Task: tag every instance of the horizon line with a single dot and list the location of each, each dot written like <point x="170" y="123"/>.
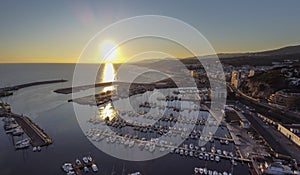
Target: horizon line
<point x="220" y="53"/>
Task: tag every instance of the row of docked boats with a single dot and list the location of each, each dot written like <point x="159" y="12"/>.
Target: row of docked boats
<point x="202" y="154"/>
<point x="210" y="172"/>
<point x="13" y="128"/>
<point x="187" y="150"/>
<point x="159" y="129"/>
<point x="85" y="165"/>
<point x="25" y="143"/>
<point x="167" y="119"/>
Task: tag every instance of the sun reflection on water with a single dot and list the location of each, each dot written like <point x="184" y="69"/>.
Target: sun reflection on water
<point x="107" y="112"/>
<point x="108" y="75"/>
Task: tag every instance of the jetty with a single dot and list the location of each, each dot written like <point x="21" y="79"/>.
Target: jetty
<point x="8" y="91"/>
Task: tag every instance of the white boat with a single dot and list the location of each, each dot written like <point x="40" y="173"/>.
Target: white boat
<point x="71" y="173"/>
<point x="112" y="139"/>
<point x="181" y="152"/>
<point x="136" y="173"/>
<point x="24" y="140"/>
<point x="126" y="143"/>
<point x="186" y="153"/>
<point x="67" y="167"/>
<point x="183" y="135"/>
<point x="141" y="145"/>
<point x="152" y="148"/>
<point x="225" y="153"/>
<point x="86" y="169"/>
<point x="99" y="138"/>
<point x="233" y="162"/>
<point x="201" y="171"/>
<point x="226" y="142"/>
<point x="147" y="146"/>
<point x="196" y="170"/>
<point x="34" y="149"/>
<point x="17" y="132"/>
<point x="11" y="126"/>
<point x="22" y="145"/>
<point x="78" y="162"/>
<point x="162" y="149"/>
<point x="212" y="157"/>
<point x="90" y="159"/>
<point x="213" y="149"/>
<point x="94" y="167"/>
<point x="191" y="146"/>
<point x="200" y="156"/>
<point x="85" y="160"/>
<point x="217" y="158"/>
<point x="107" y="140"/>
<point x="191" y="154"/>
<point x="205" y="170"/>
<point x="131" y="143"/>
<point x="203" y="149"/>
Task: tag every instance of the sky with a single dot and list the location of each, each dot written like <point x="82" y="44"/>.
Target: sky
<point x="58" y="30"/>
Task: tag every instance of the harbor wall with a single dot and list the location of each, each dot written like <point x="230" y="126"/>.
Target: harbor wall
<point x="289" y="134"/>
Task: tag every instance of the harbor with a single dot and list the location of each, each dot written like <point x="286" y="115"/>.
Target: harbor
<point x="70" y="143"/>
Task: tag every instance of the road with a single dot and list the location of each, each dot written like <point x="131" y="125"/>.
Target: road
<point x="264" y="108"/>
<point x="278" y="142"/>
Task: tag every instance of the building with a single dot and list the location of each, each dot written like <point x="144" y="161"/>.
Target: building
<point x="285" y="99"/>
<point x="235" y="78"/>
<point x="251" y="73"/>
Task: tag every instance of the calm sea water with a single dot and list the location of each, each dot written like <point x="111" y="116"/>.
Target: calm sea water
<point x="56" y="116"/>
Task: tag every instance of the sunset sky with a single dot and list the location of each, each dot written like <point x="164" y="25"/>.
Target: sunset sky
<point x="57" y="31"/>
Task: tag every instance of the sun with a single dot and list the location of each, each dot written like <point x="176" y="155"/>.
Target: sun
<point x="109" y="52"/>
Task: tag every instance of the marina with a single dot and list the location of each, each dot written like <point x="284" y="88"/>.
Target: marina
<point x="136" y="135"/>
<point x="131" y="134"/>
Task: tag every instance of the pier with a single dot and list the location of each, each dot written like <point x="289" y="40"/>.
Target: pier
<point x="34" y="132"/>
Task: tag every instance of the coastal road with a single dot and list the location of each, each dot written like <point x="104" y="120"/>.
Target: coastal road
<point x="278" y="142"/>
<point x="263" y="108"/>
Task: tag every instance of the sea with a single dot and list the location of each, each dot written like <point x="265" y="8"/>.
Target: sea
<point x="55" y="115"/>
